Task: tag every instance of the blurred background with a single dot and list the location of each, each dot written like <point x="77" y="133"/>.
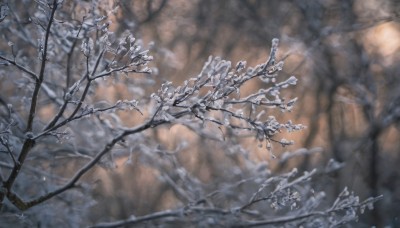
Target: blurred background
<point x="345" y="54"/>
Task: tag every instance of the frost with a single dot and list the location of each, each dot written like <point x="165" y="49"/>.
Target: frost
<point x="291" y="103"/>
<point x="240" y="66"/>
<point x="292" y="80"/>
<point x="285" y="142"/>
<point x="29" y="135"/>
<point x="87" y="46"/>
<point x="275" y="92"/>
<point x="216" y="108"/>
<point x="4" y="11"/>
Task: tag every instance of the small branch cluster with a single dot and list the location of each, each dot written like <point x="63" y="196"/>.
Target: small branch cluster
<point x="281" y="200"/>
<point x="214" y="96"/>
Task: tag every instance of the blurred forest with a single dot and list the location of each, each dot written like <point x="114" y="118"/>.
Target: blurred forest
<point x="345" y="54"/>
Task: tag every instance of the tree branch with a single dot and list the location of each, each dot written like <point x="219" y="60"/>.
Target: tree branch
<point x="29" y="142"/>
<point x="20" y="67"/>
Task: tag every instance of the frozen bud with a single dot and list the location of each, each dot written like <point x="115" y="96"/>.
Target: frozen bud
<point x="275" y="42"/>
<point x="29" y="135"/>
<point x="132" y="39"/>
<point x="67" y="96"/>
<point x="240" y="65"/>
<point x="292" y="80"/>
<point x="292" y="102"/>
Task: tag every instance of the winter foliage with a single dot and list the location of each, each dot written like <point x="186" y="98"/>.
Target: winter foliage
<point x="57" y="128"/>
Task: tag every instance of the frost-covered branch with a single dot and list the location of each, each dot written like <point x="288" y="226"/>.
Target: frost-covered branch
<point x="214" y="96"/>
<point x="304" y="213"/>
<point x="60" y="129"/>
<point x="29" y="143"/>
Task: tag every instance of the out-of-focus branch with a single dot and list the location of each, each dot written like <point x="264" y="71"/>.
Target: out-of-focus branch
<point x="20" y="67"/>
<point x="69" y="58"/>
<point x="137" y="220"/>
<point x="191" y="213"/>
